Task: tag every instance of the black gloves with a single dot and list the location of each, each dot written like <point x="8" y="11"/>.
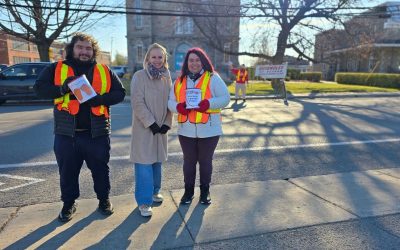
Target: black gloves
<point x="96" y="101"/>
<point x="154" y="128"/>
<point x="64" y="89"/>
<point x="164" y="129"/>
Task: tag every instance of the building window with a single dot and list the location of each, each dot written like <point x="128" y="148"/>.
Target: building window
<point x="139" y="53"/>
<point x="138" y="18"/>
<point x="372" y="63"/>
<point x="34" y="48"/>
<point x="227" y="57"/>
<point x="20" y="45"/>
<point x="352" y="65"/>
<point x="184" y="25"/>
<point x="20" y="59"/>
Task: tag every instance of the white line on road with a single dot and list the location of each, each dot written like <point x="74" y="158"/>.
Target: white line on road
<point x="17" y="177"/>
<point x="312" y="145"/>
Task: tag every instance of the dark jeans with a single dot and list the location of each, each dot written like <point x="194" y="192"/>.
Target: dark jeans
<point x="199" y="150"/>
<point x="71" y="152"/>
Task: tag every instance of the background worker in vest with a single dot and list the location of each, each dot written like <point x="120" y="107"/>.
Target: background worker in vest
<point x="81" y="130"/>
<point x="199" y="128"/>
<point x="242" y="77"/>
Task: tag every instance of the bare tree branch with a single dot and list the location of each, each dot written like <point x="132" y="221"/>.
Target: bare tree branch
<point x="42" y="21"/>
<point x="287" y="18"/>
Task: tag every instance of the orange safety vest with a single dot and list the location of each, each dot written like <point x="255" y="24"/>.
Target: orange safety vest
<point x="243" y="76"/>
<point x="101" y="84"/>
<point x="180" y="95"/>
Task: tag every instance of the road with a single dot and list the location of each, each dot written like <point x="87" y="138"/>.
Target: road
<point x="263" y="140"/>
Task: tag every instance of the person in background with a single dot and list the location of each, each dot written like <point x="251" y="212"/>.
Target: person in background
<point x="81" y="129"/>
<point x="242" y="77"/>
<point x="151" y="121"/>
<point x="199" y="128"/>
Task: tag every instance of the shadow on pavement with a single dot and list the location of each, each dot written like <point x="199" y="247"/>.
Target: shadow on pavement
<point x="119" y="237"/>
<point x="235" y="106"/>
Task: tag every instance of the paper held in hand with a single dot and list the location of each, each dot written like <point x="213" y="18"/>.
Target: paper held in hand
<point x="193" y="97"/>
<point x="82" y="89"/>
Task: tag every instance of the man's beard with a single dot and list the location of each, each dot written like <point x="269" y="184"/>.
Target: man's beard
<point x="80" y="62"/>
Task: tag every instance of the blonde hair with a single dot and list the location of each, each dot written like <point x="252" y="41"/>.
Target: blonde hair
<point x="156" y="46"/>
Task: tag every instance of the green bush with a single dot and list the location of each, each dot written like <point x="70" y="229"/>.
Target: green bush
<point x="127" y="85"/>
<point x="293" y="74"/>
<point x="369" y="79"/>
<point x="311" y="76"/>
<point x="252" y="71"/>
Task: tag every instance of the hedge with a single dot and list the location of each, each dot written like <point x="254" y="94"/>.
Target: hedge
<point x="369" y="79"/>
<point x="311" y="76"/>
<point x="293" y="74"/>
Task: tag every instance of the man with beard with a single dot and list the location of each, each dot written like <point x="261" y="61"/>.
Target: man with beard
<point x="81" y="129"/>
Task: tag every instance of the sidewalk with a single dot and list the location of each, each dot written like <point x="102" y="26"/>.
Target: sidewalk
<point x="336" y="211"/>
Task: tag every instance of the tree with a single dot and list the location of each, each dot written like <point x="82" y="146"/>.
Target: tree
<point x="289" y="24"/>
<point x="120" y="59"/>
<point x="43" y="21"/>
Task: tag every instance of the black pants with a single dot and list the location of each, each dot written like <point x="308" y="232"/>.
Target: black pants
<point x="199" y="150"/>
<point x="70" y="154"/>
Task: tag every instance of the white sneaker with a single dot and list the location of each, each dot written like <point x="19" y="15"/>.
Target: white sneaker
<point x="158" y="197"/>
<point x="145" y="210"/>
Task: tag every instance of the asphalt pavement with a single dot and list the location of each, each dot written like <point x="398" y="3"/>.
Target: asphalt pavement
<point x="354" y="210"/>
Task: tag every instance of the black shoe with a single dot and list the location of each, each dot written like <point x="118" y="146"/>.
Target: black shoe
<point x="105" y="207"/>
<point x="67" y="211"/>
<point x="188" y="195"/>
<point x="205" y="195"/>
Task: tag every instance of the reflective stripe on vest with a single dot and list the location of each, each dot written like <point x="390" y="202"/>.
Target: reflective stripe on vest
<point x="180" y="95"/>
<point x="101" y="83"/>
<point x="62" y="72"/>
<point x="243" y="77"/>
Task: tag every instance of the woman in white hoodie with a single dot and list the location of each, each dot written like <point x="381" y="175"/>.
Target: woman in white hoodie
<point x="199" y="128"/>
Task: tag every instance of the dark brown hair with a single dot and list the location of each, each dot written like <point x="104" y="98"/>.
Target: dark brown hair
<point x="205" y="61"/>
<point x="82" y="37"/>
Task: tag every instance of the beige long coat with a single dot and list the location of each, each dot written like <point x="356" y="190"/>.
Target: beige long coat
<point x="149" y="101"/>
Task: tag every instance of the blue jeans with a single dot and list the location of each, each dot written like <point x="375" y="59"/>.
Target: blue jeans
<point x="147" y="182"/>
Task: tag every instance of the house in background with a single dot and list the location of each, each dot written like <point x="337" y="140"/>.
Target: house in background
<point x="370" y="42"/>
<point x="16" y="50"/>
<point x="179" y="33"/>
<point x="297" y="63"/>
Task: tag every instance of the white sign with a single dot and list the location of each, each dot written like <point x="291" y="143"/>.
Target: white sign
<point x="271" y="71"/>
<point x="82" y="89"/>
<point x="193" y="97"/>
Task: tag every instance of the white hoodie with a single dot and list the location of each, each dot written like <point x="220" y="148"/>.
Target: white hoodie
<point x="220" y="99"/>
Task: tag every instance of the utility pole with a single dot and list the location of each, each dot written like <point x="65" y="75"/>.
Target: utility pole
<point x="111" y="50"/>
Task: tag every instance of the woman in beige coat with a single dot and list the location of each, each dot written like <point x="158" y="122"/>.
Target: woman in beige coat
<point x="151" y="121"/>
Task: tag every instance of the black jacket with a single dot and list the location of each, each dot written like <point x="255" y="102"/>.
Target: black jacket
<point x="66" y="124"/>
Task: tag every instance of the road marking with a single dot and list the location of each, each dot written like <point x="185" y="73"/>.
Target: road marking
<point x="17" y="177"/>
<point x="312" y="145"/>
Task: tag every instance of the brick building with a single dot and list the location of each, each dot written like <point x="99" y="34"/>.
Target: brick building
<point x="178" y="33"/>
<point x="16" y="50"/>
<point x="370" y="43"/>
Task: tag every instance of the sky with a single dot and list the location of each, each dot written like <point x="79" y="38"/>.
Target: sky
<point x="111" y="32"/>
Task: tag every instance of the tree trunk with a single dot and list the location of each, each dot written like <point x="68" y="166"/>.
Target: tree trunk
<point x="43" y="49"/>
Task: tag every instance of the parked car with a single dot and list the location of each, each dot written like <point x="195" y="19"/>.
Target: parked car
<point x="16" y="82"/>
<point x="3" y="67"/>
<point x="120" y="70"/>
